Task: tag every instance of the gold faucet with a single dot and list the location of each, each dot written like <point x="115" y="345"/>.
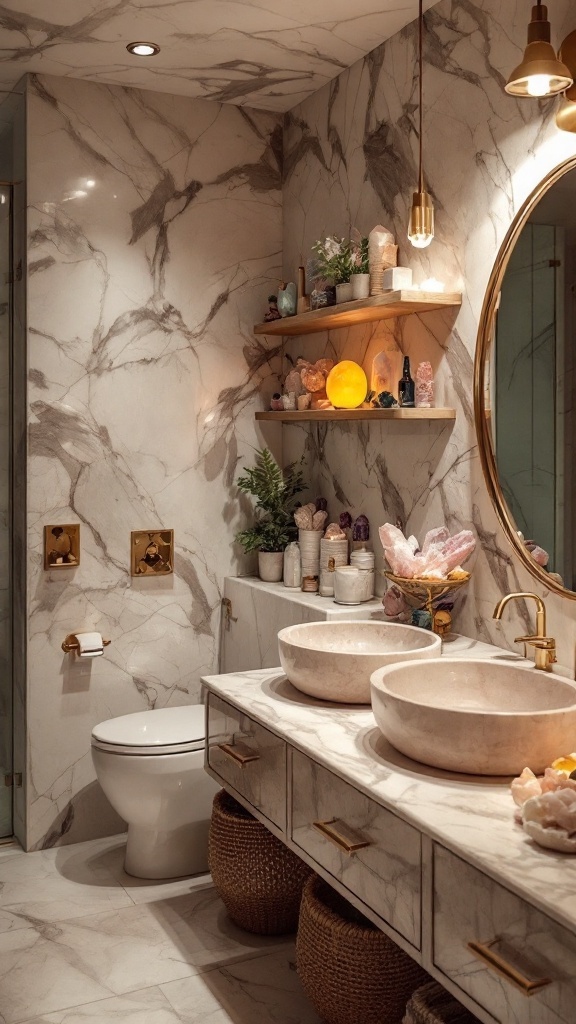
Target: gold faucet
<point x="545" y="646"/>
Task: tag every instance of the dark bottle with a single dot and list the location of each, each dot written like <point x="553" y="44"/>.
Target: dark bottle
<point x="406" y="387"/>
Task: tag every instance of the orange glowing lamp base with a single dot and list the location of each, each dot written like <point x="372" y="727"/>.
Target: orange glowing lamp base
<point x="347" y="385"/>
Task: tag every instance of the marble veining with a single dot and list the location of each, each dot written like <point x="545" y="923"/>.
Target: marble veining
<point x="351" y="161"/>
<point x="154" y="239"/>
<point x="386" y="875"/>
<point x="81" y="941"/>
<point x="472" y="817"/>
<point x="269" y="55"/>
<point x="488" y="910"/>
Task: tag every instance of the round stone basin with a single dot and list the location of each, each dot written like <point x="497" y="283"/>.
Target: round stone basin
<point x="334" y="660"/>
<point x="481" y="717"/>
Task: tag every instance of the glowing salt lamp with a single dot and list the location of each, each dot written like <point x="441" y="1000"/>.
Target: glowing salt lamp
<point x="347" y="385"/>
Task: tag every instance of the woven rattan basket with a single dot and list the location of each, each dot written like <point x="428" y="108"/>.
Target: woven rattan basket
<point x="258" y="879"/>
<point x="431" y="1004"/>
<point x="351" y="972"/>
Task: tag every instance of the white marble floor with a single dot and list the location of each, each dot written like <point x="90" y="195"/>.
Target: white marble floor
<point x="81" y="941"/>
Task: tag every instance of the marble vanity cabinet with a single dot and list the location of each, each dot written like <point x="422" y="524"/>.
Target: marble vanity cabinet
<point x="433" y="858"/>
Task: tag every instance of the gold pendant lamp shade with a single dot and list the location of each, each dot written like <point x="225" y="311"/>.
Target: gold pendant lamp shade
<point x="566" y="116"/>
<point x="541" y="73"/>
<point x="421" y="227"/>
<point x="421" y="230"/>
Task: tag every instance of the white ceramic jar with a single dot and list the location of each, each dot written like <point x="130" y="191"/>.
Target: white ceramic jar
<point x="349" y="585"/>
<point x="363" y="560"/>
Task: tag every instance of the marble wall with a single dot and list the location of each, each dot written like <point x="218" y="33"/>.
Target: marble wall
<point x="259" y="53"/>
<point x="350" y="159"/>
<point x="154" y="239"/>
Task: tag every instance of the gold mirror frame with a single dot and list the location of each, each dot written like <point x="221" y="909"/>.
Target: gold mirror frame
<point x="484" y="343"/>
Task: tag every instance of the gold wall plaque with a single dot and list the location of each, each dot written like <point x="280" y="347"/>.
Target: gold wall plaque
<point x="152" y="552"/>
<point x="62" y="546"/>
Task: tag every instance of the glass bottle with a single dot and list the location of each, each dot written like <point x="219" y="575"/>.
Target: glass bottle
<point x="406" y="387"/>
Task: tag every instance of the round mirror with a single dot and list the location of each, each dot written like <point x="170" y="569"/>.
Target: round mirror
<point x="525" y="382"/>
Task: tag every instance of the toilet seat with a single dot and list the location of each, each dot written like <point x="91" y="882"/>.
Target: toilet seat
<point x="153" y="733"/>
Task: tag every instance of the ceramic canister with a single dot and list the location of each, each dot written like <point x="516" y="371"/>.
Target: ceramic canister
<point x="309" y="541"/>
<point x="336" y="549"/>
<point x="348" y="585"/>
<point x="363" y="560"/>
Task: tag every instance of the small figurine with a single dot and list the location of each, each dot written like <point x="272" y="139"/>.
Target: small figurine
<point x="273" y="311"/>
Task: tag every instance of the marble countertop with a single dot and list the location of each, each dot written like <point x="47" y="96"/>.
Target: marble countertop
<point x="366" y="610"/>
<point x="470" y="815"/>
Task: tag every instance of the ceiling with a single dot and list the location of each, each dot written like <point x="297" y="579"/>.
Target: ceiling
<point x="269" y="54"/>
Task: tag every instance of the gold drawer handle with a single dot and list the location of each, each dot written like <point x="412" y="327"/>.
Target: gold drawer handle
<point x="239" y="752"/>
<point x="485" y="952"/>
<point x="343" y="836"/>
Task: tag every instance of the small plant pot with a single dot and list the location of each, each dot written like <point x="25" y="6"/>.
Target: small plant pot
<point x="344" y="292"/>
<point x="270" y="566"/>
<point x="360" y="286"/>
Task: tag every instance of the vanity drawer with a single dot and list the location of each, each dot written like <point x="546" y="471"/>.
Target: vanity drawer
<point x="370" y="851"/>
<point x="517" y="947"/>
<point x="249" y="758"/>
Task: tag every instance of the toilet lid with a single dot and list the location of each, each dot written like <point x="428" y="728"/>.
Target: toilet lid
<point x="163" y="730"/>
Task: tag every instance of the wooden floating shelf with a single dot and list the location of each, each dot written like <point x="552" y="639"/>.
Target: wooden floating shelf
<point x="361" y="311"/>
<point x="319" y="415"/>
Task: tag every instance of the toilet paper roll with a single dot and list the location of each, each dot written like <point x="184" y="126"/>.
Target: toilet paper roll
<point x="91" y="645"/>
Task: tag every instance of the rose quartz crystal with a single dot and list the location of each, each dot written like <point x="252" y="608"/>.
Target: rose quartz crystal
<point x="424" y="386"/>
<point x="457" y="549"/>
<point x="394" y="603"/>
<point x="398" y="552"/>
<point x="540" y="556"/>
<point x="440" y="555"/>
<point x="433" y="537"/>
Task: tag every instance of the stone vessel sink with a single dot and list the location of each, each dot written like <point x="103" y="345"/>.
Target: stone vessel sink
<point x="481" y="717"/>
<point x="334" y="660"/>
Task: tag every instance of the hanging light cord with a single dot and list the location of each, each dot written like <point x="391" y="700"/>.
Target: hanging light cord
<point x="421" y="92"/>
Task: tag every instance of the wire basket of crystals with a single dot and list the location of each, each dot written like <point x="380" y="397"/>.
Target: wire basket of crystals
<point x="427" y="576"/>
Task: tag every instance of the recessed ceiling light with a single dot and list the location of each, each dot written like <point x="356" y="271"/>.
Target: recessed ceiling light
<point x="143" y="49"/>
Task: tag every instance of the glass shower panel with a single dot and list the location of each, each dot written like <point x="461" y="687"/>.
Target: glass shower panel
<point x="5" y="522"/>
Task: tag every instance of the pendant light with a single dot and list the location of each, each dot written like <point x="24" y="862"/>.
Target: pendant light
<point x="541" y="73"/>
<point x="421" y="228"/>
<point x="566" y="116"/>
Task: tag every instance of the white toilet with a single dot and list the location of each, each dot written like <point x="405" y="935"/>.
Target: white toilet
<point x="151" y="767"/>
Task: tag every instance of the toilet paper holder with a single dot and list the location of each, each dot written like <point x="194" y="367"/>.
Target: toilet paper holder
<point x="70" y="644"/>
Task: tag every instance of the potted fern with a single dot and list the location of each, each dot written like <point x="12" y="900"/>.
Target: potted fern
<point x="276" y="499"/>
